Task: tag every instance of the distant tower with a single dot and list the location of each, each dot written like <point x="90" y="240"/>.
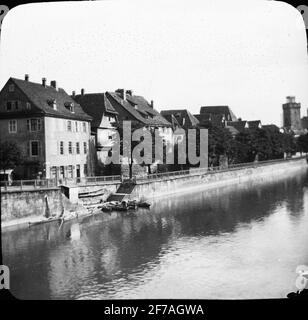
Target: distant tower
<point x="292" y="114"/>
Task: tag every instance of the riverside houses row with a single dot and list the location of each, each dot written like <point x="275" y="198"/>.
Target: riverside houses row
<point x="109" y="108"/>
<point x="50" y="128"/>
<point x="62" y="136"/>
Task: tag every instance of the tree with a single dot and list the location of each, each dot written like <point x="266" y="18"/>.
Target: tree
<point x="302" y="143"/>
<point x="220" y="144"/>
<point x="10" y="155"/>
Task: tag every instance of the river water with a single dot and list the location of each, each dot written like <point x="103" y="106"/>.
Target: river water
<point x="236" y="242"/>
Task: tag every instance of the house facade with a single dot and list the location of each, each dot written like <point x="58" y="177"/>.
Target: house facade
<point x="50" y="128"/>
<point x="104" y="119"/>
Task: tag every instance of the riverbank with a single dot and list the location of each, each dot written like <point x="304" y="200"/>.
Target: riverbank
<point x="258" y="173"/>
<point x="24" y="207"/>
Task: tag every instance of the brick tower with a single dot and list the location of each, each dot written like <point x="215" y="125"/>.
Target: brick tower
<point x="292" y="114"/>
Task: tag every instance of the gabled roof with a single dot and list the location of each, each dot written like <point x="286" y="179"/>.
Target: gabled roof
<point x="222" y="110"/>
<point x="41" y="98"/>
<point x="139" y="108"/>
<point x="238" y="125"/>
<point x="211" y="118"/>
<point x="254" y="124"/>
<point x="95" y="104"/>
<point x="172" y="119"/>
<point x="181" y="114"/>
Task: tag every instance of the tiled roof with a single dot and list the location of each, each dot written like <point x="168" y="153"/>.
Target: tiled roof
<point x="95" y="104"/>
<point x="223" y="110"/>
<point x="254" y="124"/>
<point x="180" y="115"/>
<point x="211" y="118"/>
<point x="139" y="109"/>
<point x="172" y="119"/>
<point x="238" y="125"/>
<point x="41" y="97"/>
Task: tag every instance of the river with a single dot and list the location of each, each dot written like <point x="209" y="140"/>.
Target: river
<point x="237" y="242"/>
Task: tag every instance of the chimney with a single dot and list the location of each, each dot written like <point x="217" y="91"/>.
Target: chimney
<point x="73" y="93"/>
<point x="129" y="92"/>
<point x="82" y="91"/>
<point x="44" y="82"/>
<point x="290" y="99"/>
<point x="152" y="104"/>
<point x="26" y="77"/>
<point x="120" y="92"/>
<point x="53" y="84"/>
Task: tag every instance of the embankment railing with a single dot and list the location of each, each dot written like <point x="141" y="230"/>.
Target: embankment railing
<point x="52" y="183"/>
<point x="210" y="170"/>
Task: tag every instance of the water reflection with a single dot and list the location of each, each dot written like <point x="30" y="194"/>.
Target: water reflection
<point x="225" y="243"/>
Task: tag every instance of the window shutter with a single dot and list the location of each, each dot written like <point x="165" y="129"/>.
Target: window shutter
<point x="39" y="149"/>
<point x="28" y="149"/>
<point x="28" y="124"/>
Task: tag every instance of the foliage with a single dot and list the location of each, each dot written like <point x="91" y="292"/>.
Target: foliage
<point x="302" y="143"/>
<point x="10" y="155"/>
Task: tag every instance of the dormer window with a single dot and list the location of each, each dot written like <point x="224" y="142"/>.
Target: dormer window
<point x="53" y="103"/>
<point x="11" y="88"/>
<point x="70" y="106"/>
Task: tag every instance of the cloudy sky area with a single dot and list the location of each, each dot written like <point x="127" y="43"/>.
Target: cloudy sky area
<point x="182" y="54"/>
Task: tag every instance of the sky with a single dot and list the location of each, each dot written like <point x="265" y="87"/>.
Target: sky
<point x="248" y="54"/>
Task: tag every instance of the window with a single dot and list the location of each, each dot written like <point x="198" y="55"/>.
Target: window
<point x="69" y="125"/>
<point x="62" y="172"/>
<point x="70" y="171"/>
<point x="84" y="124"/>
<point x="28" y="106"/>
<point x="53" y="172"/>
<point x="8" y="106"/>
<point x="85" y="148"/>
<point x="11" y="88"/>
<point x="70" y="106"/>
<point x="12" y="126"/>
<point x="16" y="103"/>
<point x="34" y="124"/>
<point x="85" y="169"/>
<point x="61" y="147"/>
<point x="77" y="148"/>
<point x="70" y="148"/>
<point x="34" y="148"/>
<point x="76" y="126"/>
<point x="78" y="170"/>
